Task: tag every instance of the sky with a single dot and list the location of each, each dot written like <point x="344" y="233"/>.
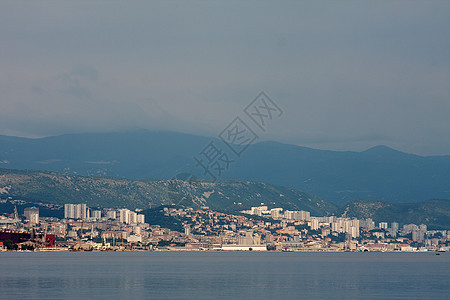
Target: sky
<point x="348" y="75"/>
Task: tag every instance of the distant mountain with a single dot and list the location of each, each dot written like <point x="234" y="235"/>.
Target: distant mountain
<point x="434" y="213"/>
<point x="380" y="173"/>
<point x="227" y="195"/>
<point x="137" y="155"/>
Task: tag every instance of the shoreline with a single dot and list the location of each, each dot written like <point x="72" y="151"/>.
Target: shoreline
<point x="223" y="251"/>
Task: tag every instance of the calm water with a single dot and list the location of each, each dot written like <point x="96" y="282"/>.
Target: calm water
<point x="224" y="275"/>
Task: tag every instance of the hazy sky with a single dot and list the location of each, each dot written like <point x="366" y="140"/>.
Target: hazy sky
<point x="348" y="75"/>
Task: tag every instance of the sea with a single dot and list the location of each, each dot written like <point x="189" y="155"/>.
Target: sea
<point x="224" y="275"/>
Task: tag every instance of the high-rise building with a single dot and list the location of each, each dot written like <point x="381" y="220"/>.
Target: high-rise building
<point x="314" y="224"/>
<point x="354" y="232"/>
<point x="394" y="229"/>
<point x="140" y="219"/>
<point x="418" y="235"/>
<point x="394" y="226"/>
<point x="369" y="224"/>
<point x="32" y="214"/>
<point x="304" y="215"/>
<point x="124" y="216"/>
<point x="276" y="212"/>
<point x="133" y="218"/>
<point x="76" y="211"/>
<point x="97" y="214"/>
<point x="69" y="212"/>
<point x="81" y="211"/>
<point x="187" y="229"/>
<point x="111" y="214"/>
<point x="383" y="225"/>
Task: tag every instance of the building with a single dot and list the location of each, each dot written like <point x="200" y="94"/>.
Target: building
<point x="130" y="217"/>
<point x="248" y="239"/>
<point x="383" y="225"/>
<point x="395" y="226"/>
<point x="97" y="214"/>
<point x="242" y="248"/>
<point x="259" y="210"/>
<point x="369" y="224"/>
<point x="140" y="219"/>
<point x="124" y="216"/>
<point x="187" y="229"/>
<point x="69" y="211"/>
<point x="111" y="214"/>
<point x="133" y="218"/>
<point x="314" y="224"/>
<point x="76" y="211"/>
<point x="276" y="213"/>
<point x="418" y="235"/>
<point x="32" y="214"/>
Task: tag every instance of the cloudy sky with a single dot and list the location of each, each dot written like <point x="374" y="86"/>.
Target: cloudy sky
<point x="348" y="75"/>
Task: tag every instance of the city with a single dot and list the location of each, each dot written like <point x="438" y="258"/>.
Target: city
<point x="189" y="229"/>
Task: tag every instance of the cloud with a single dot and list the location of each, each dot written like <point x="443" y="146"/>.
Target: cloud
<point x="86" y="72"/>
<point x="77" y="91"/>
<point x="348" y="76"/>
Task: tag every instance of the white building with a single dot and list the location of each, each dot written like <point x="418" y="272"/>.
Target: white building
<point x="130" y="217"/>
<point x="134" y="239"/>
<point x="276" y="212"/>
<point x="97" y="214"/>
<point x="111" y="214"/>
<point x="314" y="223"/>
<point x="133" y="217"/>
<point x="140" y="219"/>
<point x="32" y="214"/>
<point x="124" y="216"/>
<point x="76" y="211"/>
<point x="383" y="225"/>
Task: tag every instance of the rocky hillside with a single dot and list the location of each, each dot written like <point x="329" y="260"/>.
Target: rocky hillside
<point x="230" y="195"/>
<point x="434" y="213"/>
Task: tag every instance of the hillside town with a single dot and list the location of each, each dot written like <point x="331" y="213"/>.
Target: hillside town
<point x="189" y="229"/>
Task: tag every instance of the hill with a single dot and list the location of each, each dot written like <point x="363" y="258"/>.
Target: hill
<point x="380" y="173"/>
<point x="230" y="195"/>
<point x="434" y="213"/>
<point x="42" y="188"/>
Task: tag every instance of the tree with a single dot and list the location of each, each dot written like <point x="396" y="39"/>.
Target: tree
<point x="10" y="245"/>
<point x="26" y="247"/>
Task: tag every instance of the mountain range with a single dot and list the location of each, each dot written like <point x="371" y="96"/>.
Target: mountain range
<point x="224" y="195"/>
<point x="50" y="190"/>
<point x="379" y="173"/>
